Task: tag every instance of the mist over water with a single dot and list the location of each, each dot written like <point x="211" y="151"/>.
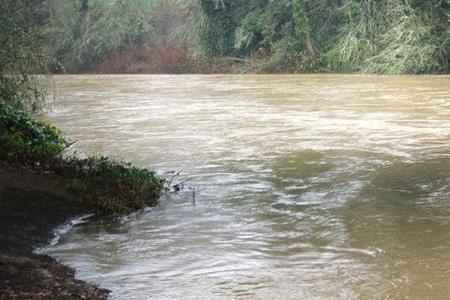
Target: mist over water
<point x="314" y="187"/>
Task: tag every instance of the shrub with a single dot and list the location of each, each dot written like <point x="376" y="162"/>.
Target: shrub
<point x="113" y="186"/>
<point x="24" y="139"/>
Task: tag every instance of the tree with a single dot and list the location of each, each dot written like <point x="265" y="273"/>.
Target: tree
<point x="20" y="56"/>
<point x="219" y="26"/>
<point x="302" y="24"/>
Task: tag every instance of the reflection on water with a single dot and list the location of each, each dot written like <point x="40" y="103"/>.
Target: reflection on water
<point x="312" y="187"/>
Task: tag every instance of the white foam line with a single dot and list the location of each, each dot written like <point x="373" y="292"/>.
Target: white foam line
<point x="373" y="252"/>
<point x="61" y="230"/>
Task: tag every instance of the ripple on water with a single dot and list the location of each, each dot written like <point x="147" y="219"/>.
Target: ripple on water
<point x="314" y="187"/>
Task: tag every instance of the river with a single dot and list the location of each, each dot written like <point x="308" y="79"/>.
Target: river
<point x="306" y="186"/>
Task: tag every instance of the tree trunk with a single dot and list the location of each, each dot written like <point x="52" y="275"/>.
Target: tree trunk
<point x="309" y="45"/>
<point x="84" y="6"/>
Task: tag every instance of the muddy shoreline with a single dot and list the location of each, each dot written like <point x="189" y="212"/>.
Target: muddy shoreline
<point x="32" y="204"/>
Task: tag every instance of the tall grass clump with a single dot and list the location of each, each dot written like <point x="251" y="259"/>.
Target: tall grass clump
<point x="390" y="37"/>
<point x="408" y="43"/>
<point x="356" y="38"/>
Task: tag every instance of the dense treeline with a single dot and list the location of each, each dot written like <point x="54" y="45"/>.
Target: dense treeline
<point x="371" y="36"/>
<point x="391" y="36"/>
<point x="79" y="33"/>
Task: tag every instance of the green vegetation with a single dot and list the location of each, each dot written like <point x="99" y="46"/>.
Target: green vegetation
<point x="388" y="37"/>
<point x="394" y="37"/>
<point x="20" y="56"/>
<point x="77" y="34"/>
<point x="217" y="27"/>
<point x="110" y="186"/>
<point x="370" y="36"/>
<point x="113" y="186"/>
<point x="25" y="140"/>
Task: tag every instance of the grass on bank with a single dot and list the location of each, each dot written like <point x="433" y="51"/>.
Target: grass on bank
<point x="110" y="186"/>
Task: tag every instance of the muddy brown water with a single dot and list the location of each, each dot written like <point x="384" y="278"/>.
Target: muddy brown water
<point x="307" y="187"/>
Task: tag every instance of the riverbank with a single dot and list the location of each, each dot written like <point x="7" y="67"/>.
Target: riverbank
<point x="41" y="188"/>
<point x="32" y="204"/>
<point x="177" y="60"/>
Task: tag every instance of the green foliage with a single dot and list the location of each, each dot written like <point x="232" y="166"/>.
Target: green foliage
<point x="373" y="36"/>
<point x="299" y="15"/>
<point x="279" y="29"/>
<point x="112" y="186"/>
<point x="217" y="27"/>
<point x="20" y="56"/>
<point x="408" y="45"/>
<point x="389" y="37"/>
<point x="356" y="39"/>
<point x="249" y="32"/>
<point x="25" y="140"/>
<point x="77" y="40"/>
<point x="285" y="56"/>
<point x="447" y="43"/>
<point x="301" y="23"/>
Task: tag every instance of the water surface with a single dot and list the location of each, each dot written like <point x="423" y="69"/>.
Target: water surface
<point x="308" y="187"/>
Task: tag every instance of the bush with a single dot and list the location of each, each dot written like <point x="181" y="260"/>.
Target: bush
<point x="113" y="186"/>
<point x="25" y="140"/>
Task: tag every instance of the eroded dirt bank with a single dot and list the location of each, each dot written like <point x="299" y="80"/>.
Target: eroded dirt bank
<point x="32" y="204"/>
